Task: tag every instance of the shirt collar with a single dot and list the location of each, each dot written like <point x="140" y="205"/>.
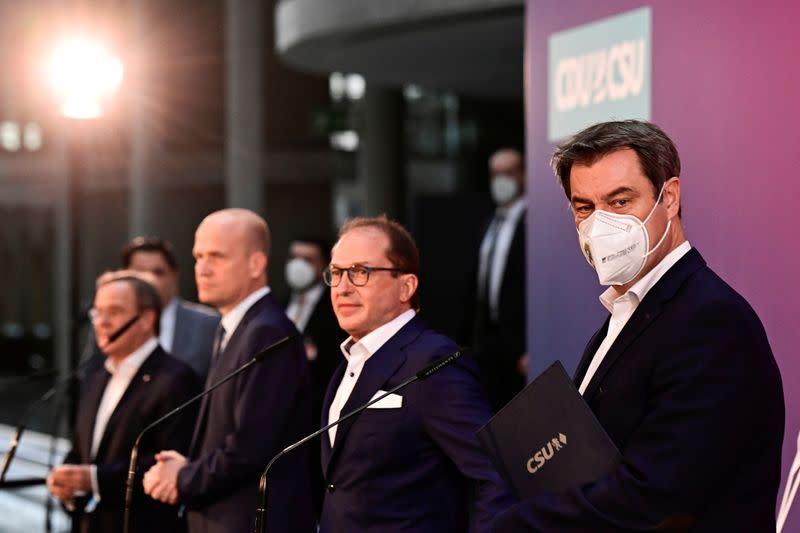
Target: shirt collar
<point x="170" y="307"/>
<point x="311" y="294"/>
<point x="232" y="319"/>
<point x="130" y="364"/>
<point x="372" y="342"/>
<point x="640" y="289"/>
<point x="513" y="210"/>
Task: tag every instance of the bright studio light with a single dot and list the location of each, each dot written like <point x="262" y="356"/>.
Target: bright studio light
<point x="84" y="74"/>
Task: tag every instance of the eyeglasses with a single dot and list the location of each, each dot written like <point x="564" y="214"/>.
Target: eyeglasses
<point x="113" y="312"/>
<point x="357" y="274"/>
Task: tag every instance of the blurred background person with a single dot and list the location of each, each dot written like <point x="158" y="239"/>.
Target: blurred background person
<point x="311" y="311"/>
<point x="139" y="383"/>
<point x="498" y="316"/>
<point x="186" y="328"/>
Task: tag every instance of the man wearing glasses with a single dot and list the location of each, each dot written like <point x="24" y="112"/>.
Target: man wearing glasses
<point x="410" y="461"/>
<point x="139" y="383"/>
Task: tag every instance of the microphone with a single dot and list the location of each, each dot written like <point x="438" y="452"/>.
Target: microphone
<point x="122" y="329"/>
<point x="21" y="425"/>
<point x="423" y="374"/>
<point x="257" y="358"/>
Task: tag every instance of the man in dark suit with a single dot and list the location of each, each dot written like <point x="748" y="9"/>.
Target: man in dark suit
<point x="411" y="461"/>
<point x="681" y="374"/>
<point x="139" y="384"/>
<point x="498" y="312"/>
<point x="310" y="310"/>
<point x="252" y="417"/>
<point x="186" y="329"/>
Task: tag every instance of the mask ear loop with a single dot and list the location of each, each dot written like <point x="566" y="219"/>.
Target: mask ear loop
<point x="790" y="490"/>
<point x="669" y="222"/>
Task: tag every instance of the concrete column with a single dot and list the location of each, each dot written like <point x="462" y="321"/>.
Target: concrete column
<point x="145" y="195"/>
<point x="244" y="103"/>
<point x="62" y="267"/>
<point x="380" y="165"/>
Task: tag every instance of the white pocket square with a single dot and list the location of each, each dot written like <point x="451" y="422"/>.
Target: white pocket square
<point x="393" y="401"/>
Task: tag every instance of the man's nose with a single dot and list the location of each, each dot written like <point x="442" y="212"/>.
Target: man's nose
<point x="345" y="286"/>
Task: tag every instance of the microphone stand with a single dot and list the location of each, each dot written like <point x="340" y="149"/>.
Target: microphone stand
<point x="22" y="424"/>
<point x="419" y="376"/>
<point x="9" y="456"/>
<point x="135" y="451"/>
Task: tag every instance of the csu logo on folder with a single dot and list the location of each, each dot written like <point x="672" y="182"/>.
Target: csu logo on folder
<point x="546" y="453"/>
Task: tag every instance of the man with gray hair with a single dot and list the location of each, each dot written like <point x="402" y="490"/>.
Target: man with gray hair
<point x="138" y="384"/>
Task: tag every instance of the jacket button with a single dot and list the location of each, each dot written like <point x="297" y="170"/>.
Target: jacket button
<point x="331" y="487"/>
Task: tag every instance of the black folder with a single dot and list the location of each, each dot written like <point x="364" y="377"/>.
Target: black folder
<point x="546" y="439"/>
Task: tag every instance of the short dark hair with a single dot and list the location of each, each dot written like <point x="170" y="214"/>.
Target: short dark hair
<point x="323" y="244"/>
<point x="149" y="244"/>
<point x="147" y="297"/>
<point x="402" y="252"/>
<point x="657" y="154"/>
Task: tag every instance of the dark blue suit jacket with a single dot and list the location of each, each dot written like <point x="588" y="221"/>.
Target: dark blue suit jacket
<point x="243" y="424"/>
<point x="161" y="384"/>
<point x="410" y="468"/>
<point x="692" y="396"/>
<point x="193" y="341"/>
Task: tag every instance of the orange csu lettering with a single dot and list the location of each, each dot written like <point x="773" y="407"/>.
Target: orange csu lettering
<point x="546" y="453"/>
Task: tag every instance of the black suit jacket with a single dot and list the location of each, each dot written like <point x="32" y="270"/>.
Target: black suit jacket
<point x="161" y="384"/>
<point x="243" y="424"/>
<point x="692" y="396"/>
<point x="500" y="343"/>
<point x="417" y="466"/>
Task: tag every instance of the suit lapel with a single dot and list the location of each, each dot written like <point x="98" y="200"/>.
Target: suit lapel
<point x="94" y="393"/>
<point x="141" y="380"/>
<point x="336" y="379"/>
<point x="646" y="313"/>
<point x="221" y="366"/>
<point x="589" y="351"/>
<point x="378" y="369"/>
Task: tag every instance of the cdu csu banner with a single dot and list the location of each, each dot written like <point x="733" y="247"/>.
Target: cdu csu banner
<point x="599" y="71"/>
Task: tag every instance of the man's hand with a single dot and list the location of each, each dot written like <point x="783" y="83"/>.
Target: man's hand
<point x="161" y="481"/>
<point x="67" y="481"/>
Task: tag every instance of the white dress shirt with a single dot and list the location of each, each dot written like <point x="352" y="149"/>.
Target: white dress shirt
<point x="232" y="319"/>
<point x="623" y="307"/>
<point x="301" y="313"/>
<point x="166" y="329"/>
<point x="121" y="376"/>
<point x="494" y="267"/>
<point x="356" y="355"/>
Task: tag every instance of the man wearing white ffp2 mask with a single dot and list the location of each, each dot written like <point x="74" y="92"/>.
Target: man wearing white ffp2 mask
<point x="680" y="375"/>
<point x="310" y="309"/>
<point x="617" y="245"/>
<point x="498" y="321"/>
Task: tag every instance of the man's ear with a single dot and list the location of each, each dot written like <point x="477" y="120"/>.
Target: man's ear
<point x="148" y="317"/>
<point x="408" y="286"/>
<point x="671" y="197"/>
<point x="257" y="264"/>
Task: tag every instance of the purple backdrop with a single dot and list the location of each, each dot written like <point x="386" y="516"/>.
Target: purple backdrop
<point x="726" y="88"/>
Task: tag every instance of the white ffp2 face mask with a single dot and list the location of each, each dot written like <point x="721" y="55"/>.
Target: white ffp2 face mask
<point x="300" y="274"/>
<point x="617" y="246"/>
<point x="504" y="189"/>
